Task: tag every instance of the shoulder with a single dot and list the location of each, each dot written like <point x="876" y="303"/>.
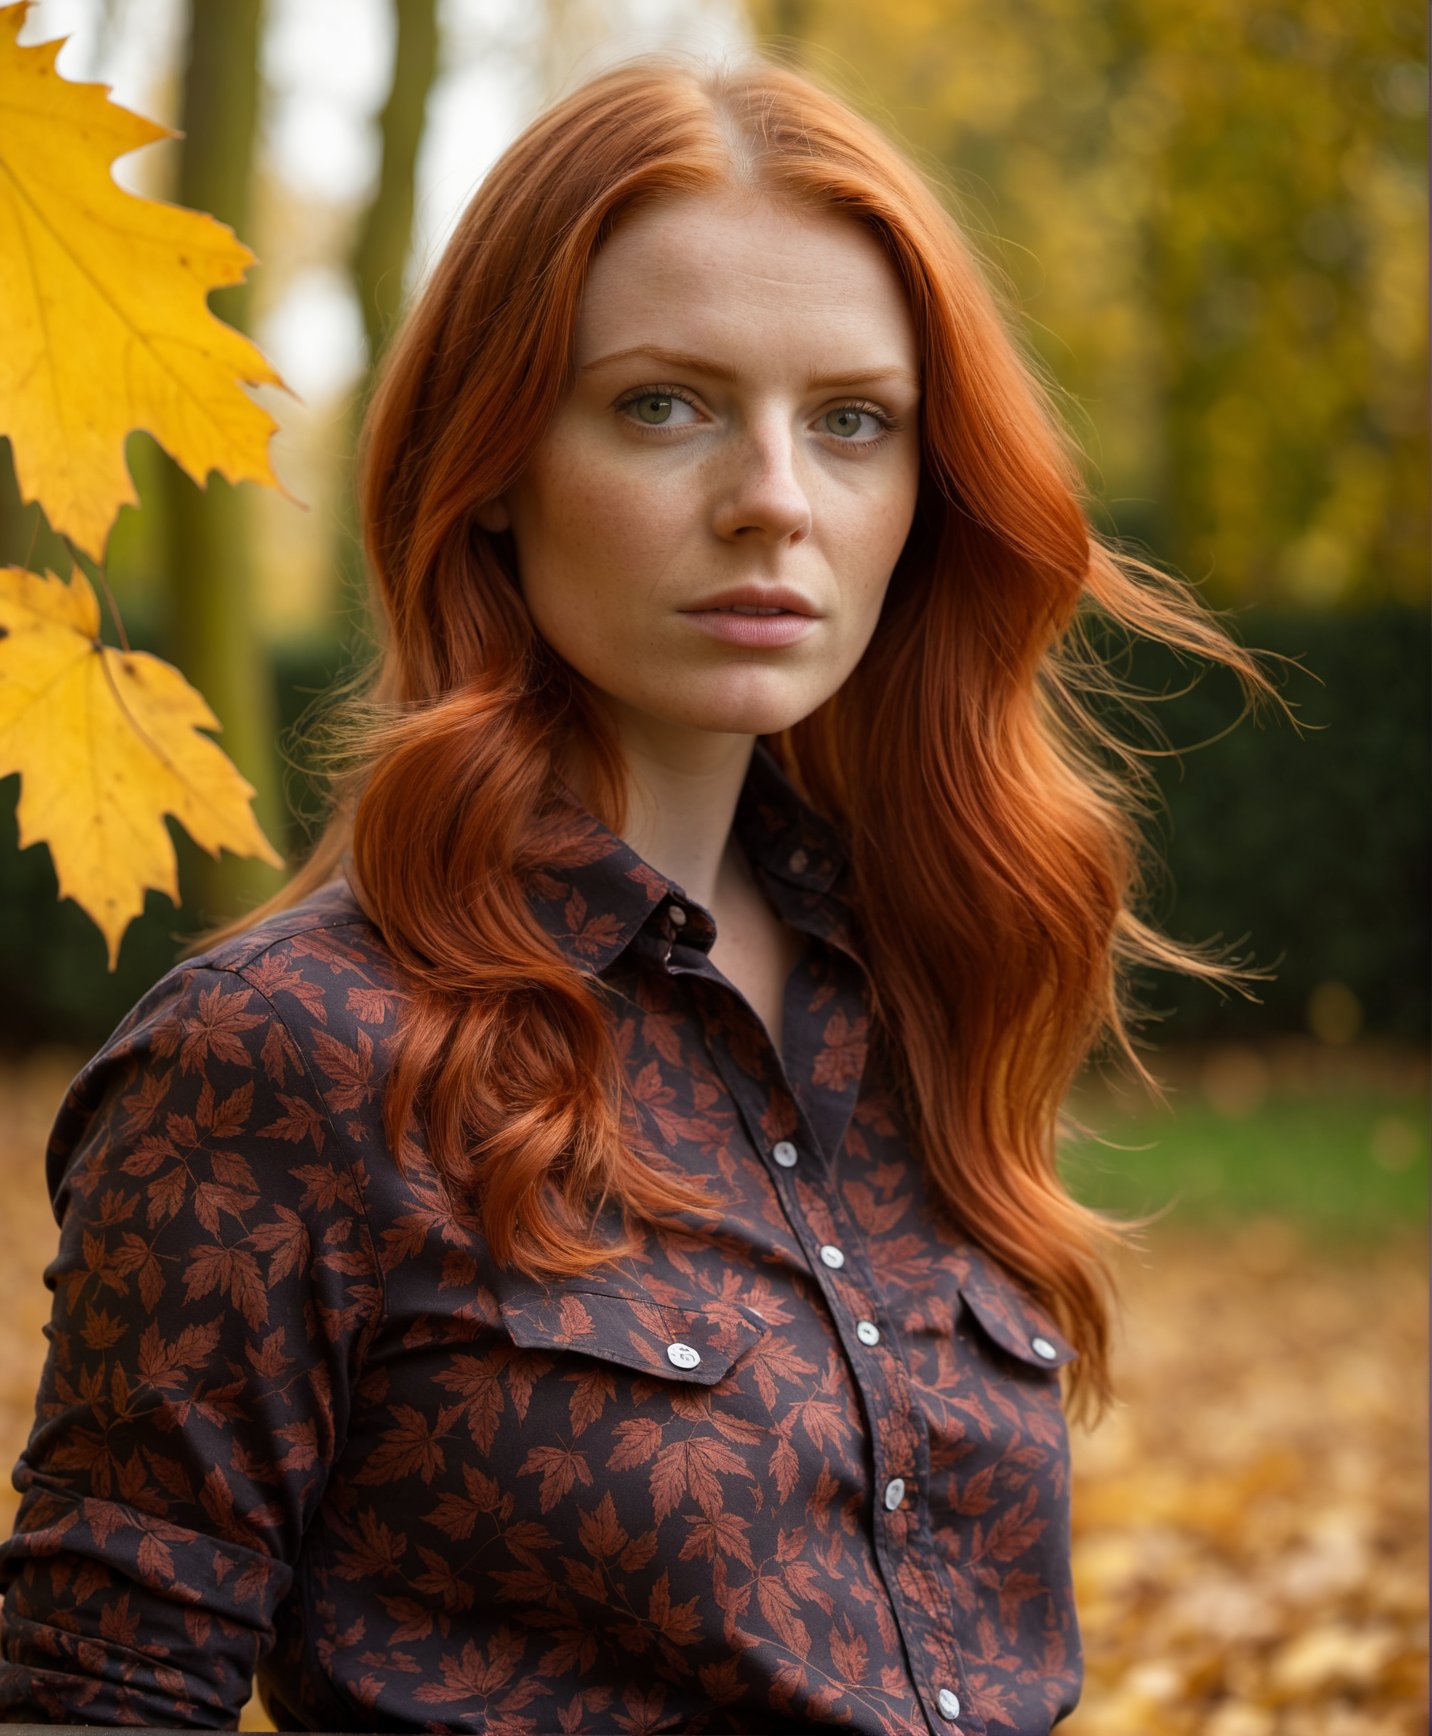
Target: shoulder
<point x="300" y="1006"/>
<point x="324" y="937"/>
<point x="321" y="967"/>
<point x="317" y="969"/>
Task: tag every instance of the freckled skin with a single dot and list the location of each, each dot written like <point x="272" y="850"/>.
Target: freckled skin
<point x="621" y="523"/>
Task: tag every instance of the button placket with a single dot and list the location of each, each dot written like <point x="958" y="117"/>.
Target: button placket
<point x="908" y="1557"/>
<point x="903" y="1543"/>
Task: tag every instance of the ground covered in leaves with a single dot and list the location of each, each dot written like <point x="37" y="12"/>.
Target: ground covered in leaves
<point x="1250" y="1520"/>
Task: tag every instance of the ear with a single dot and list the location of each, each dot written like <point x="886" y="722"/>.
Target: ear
<point x="493" y="516"/>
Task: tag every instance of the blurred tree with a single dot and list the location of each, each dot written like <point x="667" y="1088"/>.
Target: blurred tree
<point x="380" y="252"/>
<point x="1212" y="215"/>
<point x="213" y="628"/>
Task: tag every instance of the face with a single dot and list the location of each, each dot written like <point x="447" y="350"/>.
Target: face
<point x="744" y="414"/>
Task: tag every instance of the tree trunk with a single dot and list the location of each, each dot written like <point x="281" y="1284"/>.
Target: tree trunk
<point x="214" y="634"/>
<point x="380" y="254"/>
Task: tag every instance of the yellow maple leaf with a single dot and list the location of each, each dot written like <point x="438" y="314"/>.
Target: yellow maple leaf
<point x="103" y="307"/>
<point x="106" y="743"/>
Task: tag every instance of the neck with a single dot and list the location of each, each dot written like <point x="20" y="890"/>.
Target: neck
<point x="681" y="802"/>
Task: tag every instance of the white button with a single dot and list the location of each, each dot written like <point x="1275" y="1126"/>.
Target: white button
<point x="949" y="1704"/>
<point x="677" y="915"/>
<point x="832" y="1256"/>
<point x="798" y="862"/>
<point x="785" y="1154"/>
<point x="683" y="1355"/>
<point x="894" y="1492"/>
<point x="1042" y="1347"/>
<point x="867" y="1332"/>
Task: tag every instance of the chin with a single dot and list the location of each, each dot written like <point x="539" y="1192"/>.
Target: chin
<point x="758" y="701"/>
<point x="765" y="718"/>
<point x="750" y="702"/>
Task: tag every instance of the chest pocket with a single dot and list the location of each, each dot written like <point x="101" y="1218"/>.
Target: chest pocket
<point x="697" y="1345"/>
<point x="1006" y="1314"/>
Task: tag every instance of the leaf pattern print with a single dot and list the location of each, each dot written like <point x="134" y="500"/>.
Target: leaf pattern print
<point x="807" y="1465"/>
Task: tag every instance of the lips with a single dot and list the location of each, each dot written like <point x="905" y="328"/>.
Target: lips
<point x="755" y="599"/>
<point x="752" y="630"/>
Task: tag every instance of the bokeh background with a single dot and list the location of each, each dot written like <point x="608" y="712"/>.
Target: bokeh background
<point x="1209" y="218"/>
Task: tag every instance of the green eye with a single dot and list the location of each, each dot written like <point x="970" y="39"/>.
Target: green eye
<point x="654" y="407"/>
<point x="850" y="418"/>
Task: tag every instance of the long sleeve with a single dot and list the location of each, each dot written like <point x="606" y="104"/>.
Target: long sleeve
<point x="214" y="1286"/>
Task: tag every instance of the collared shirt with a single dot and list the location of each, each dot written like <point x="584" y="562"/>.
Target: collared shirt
<point x="805" y="1466"/>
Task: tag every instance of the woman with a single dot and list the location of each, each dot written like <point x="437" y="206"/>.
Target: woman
<point x="589" y="1255"/>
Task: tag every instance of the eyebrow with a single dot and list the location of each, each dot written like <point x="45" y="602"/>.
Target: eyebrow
<point x="719" y="371"/>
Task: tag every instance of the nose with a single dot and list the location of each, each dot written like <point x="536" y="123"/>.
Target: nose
<point x="763" y="495"/>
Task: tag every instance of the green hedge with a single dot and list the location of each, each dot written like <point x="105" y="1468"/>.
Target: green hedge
<point x="1311" y="842"/>
<point x="1311" y="848"/>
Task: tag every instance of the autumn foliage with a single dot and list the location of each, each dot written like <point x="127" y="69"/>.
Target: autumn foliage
<point x="107" y="329"/>
<point x="106" y="743"/>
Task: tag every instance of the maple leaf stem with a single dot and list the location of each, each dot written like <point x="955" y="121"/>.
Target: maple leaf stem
<point x="34" y="538"/>
<point x="95" y="573"/>
<point x="114" y="613"/>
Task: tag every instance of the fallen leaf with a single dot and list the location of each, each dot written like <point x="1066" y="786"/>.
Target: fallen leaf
<point x="107" y="743"/>
<point x="103" y="303"/>
<point x="1250" y="1522"/>
<point x="1331" y="1657"/>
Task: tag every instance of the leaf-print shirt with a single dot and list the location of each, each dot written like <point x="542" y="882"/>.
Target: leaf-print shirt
<point x="805" y="1466"/>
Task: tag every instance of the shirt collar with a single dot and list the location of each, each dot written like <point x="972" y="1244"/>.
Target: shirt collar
<point x="597" y="893"/>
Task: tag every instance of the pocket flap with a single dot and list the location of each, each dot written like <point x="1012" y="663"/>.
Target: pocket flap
<point x="669" y="1343"/>
<point x="1011" y="1317"/>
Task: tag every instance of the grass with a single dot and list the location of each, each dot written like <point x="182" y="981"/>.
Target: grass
<point x="1338" y="1151"/>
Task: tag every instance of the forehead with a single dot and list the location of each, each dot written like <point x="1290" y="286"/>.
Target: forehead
<point x="739" y="266"/>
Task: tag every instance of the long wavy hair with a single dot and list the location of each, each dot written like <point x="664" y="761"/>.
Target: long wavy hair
<point x="1008" y="925"/>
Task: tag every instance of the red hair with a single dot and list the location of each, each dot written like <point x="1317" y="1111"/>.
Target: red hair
<point x="1008" y="926"/>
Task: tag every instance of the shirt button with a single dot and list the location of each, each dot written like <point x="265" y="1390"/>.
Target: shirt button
<point x="832" y="1256"/>
<point x="894" y="1493"/>
<point x="677" y="915"/>
<point x="1042" y="1347"/>
<point x="682" y="1355"/>
<point x="799" y="862"/>
<point x="949" y="1704"/>
<point x="867" y="1332"/>
<point x="785" y="1154"/>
